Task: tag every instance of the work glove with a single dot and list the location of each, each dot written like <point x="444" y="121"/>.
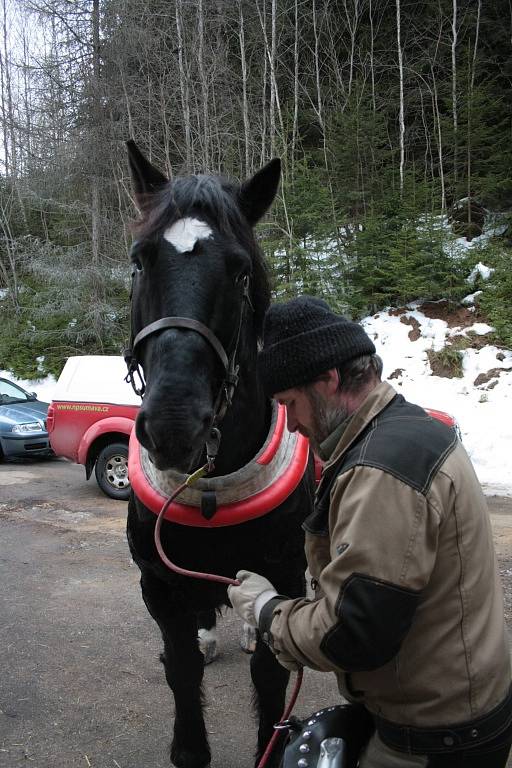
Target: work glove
<point x="249" y="598"/>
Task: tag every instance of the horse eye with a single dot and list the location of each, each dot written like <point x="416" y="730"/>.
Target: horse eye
<point x="242" y="276"/>
<point x="136" y="267"/>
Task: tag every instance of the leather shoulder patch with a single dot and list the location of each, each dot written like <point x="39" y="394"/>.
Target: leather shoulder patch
<point x="406" y="442"/>
<point x="373" y="618"/>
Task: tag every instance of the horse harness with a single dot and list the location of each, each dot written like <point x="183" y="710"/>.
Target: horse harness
<point x="227" y="389"/>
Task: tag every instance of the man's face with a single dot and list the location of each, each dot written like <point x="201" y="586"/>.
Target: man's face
<point x="312" y="412"/>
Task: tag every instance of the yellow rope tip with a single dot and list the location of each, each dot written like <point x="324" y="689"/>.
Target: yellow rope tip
<point x="196" y="475"/>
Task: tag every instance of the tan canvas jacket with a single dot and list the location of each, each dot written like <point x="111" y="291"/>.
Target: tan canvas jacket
<point x="409" y="612"/>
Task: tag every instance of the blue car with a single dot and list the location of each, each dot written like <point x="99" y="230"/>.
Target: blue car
<point x="22" y="423"/>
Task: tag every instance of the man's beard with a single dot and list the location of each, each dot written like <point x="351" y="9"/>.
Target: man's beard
<point x="324" y="419"/>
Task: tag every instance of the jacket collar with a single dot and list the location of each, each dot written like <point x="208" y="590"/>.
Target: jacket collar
<point x="327" y="446"/>
<point x="375" y="402"/>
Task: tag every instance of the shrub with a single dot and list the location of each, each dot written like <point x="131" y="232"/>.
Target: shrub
<point x="446" y="362"/>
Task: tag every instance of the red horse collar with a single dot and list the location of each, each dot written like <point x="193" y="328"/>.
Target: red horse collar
<point x="252" y="491"/>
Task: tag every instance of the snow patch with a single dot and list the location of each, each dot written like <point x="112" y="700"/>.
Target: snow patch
<point x="479" y="270"/>
<point x="470" y="298"/>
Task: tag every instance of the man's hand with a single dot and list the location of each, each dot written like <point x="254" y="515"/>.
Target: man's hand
<point x="252" y="594"/>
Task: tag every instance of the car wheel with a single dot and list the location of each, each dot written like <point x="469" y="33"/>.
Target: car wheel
<point x="111" y="471"/>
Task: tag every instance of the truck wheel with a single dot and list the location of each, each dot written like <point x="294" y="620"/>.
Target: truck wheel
<point x="111" y="471"/>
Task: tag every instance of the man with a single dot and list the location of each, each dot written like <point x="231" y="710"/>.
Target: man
<point x="408" y="610"/>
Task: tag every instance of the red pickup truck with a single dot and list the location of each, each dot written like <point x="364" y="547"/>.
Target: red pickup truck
<point x="90" y="419"/>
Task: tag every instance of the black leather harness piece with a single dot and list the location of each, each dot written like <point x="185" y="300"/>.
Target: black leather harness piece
<point x="349" y="724"/>
<point x="208" y="504"/>
<point x="182" y="322"/>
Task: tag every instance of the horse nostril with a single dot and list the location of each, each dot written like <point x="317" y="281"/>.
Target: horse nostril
<point x="143" y="432"/>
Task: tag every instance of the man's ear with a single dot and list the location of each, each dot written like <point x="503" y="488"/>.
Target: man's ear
<point x="329" y="383"/>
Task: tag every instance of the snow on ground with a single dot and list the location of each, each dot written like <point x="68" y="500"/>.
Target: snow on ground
<point x="483" y="412"/>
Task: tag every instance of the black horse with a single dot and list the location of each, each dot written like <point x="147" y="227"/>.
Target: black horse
<point x="195" y="258"/>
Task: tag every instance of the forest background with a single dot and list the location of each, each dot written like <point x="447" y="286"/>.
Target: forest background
<point x="392" y="119"/>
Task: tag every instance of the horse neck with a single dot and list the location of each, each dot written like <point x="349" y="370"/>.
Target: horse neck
<point x="246" y="423"/>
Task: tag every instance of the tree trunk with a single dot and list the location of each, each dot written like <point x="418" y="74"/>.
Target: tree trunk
<point x="401" y="78"/>
<point x="273" y="84"/>
<point x="96" y="116"/>
<point x="184" y="85"/>
<point x="295" y="128"/>
<point x="437" y="121"/>
<point x="471" y="72"/>
<point x="207" y="162"/>
<point x="454" y="93"/>
<point x="245" y="104"/>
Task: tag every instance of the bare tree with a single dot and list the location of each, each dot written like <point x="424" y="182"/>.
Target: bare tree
<point x="184" y="82"/>
<point x="206" y="161"/>
<point x="352" y="21"/>
<point x="471" y="77"/>
<point x="454" y="90"/>
<point x="401" y="82"/>
<point x="96" y="112"/>
<point x="245" y="104"/>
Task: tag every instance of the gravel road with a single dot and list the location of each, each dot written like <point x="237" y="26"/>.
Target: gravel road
<point x="81" y="683"/>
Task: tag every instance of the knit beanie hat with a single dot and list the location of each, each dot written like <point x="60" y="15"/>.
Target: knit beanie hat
<point x="303" y="338"/>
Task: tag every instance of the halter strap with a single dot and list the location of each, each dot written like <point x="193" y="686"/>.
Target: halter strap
<point x="183" y="322"/>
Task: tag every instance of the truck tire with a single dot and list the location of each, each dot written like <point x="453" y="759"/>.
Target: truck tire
<point x="111" y="471"/>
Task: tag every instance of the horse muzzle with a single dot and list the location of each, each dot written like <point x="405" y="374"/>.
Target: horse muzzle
<point x="173" y="443"/>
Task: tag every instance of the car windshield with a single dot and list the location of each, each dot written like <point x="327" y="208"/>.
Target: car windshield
<point x="11" y="393"/>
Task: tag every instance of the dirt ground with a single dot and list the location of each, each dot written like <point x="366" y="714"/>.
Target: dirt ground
<point x="81" y="685"/>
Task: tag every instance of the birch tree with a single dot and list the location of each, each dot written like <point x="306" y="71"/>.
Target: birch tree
<point x="454" y="90"/>
<point x="401" y="118"/>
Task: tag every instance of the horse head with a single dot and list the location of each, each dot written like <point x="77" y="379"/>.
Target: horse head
<point x="199" y="294"/>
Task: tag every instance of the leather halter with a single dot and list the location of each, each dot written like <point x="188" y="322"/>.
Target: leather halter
<point x="230" y="380"/>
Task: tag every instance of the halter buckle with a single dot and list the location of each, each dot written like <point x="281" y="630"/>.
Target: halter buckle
<point x="134" y="369"/>
<point x="247" y="292"/>
<point x="212" y="447"/>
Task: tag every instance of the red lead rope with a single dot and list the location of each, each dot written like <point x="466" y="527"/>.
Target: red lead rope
<point x="222" y="580"/>
<point x="184" y="571"/>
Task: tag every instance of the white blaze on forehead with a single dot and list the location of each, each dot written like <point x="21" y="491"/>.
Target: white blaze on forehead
<point x="185" y="233"/>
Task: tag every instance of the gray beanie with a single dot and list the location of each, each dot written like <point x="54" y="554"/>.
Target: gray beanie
<point x="303" y="338"/>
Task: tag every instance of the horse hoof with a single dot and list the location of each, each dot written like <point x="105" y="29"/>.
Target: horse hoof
<point x="248" y="638"/>
<point x="185" y="758"/>
<point x="207" y="639"/>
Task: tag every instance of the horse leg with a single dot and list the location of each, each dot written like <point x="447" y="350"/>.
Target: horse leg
<point x="184" y="666"/>
<point x="270" y="680"/>
<point x="207" y="635"/>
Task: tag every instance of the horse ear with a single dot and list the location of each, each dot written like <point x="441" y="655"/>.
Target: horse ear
<point x="257" y="193"/>
<point x="146" y="178"/>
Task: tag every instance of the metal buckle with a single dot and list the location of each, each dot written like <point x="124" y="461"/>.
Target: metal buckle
<point x="212" y="447"/>
<point x="133" y="368"/>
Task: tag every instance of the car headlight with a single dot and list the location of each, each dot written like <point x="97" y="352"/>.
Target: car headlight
<point x="33" y="426"/>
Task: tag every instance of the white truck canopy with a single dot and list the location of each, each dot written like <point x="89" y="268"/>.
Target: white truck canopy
<point x="95" y="379"/>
